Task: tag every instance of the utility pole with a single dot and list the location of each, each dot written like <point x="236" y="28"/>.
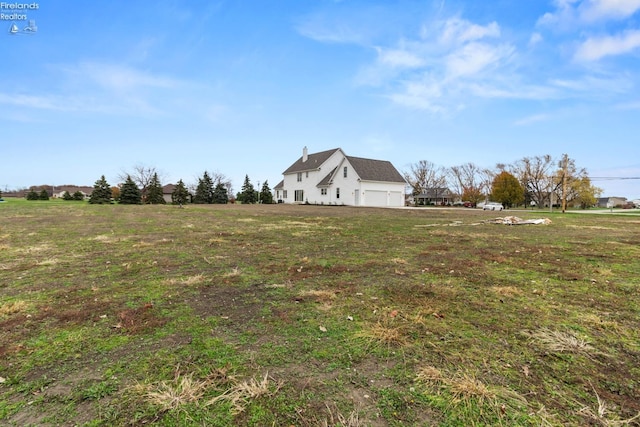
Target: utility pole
<point x="565" y="165"/>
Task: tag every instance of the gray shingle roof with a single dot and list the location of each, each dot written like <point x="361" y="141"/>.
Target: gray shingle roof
<point x="375" y="170"/>
<point x="314" y="161"/>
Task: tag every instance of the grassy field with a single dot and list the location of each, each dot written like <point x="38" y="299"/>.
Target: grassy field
<point x="316" y="316"/>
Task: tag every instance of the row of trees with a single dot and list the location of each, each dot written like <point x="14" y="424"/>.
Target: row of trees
<point x="142" y="186"/>
<point x="540" y="181"/>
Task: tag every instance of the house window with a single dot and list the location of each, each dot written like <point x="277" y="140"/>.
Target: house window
<point x="299" y="176"/>
<point x="284" y="194"/>
<point x="299" y="196"/>
<point x="344" y="172"/>
<point x="337" y="193"/>
<point x="323" y="191"/>
<point x="306" y="174"/>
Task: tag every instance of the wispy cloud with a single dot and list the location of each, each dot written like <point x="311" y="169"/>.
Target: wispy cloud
<point x="94" y="87"/>
<point x="595" y="48"/>
<point x="597" y="10"/>
<point x="436" y="70"/>
<point x="569" y="13"/>
<point x="532" y="119"/>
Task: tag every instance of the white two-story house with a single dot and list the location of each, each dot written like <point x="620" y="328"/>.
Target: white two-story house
<point x="333" y="178"/>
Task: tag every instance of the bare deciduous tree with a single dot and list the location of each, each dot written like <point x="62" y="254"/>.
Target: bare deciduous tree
<point x="425" y="175"/>
<point x="142" y="175"/>
<point x="471" y="181"/>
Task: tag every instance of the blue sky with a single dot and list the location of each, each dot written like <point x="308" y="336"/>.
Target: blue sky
<point x="240" y="87"/>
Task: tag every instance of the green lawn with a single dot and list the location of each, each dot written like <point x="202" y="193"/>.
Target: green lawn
<point x="310" y="316"/>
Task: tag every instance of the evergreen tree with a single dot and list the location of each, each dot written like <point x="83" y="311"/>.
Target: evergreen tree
<point x="220" y="195"/>
<point x="67" y="196"/>
<point x="130" y="194"/>
<point x="154" y="191"/>
<point x="180" y="195"/>
<point x="247" y="193"/>
<point x="33" y="195"/>
<point x="43" y="195"/>
<point x="507" y="190"/>
<point x="78" y="195"/>
<point x="204" y="191"/>
<point x="101" y="192"/>
<point x="265" y="194"/>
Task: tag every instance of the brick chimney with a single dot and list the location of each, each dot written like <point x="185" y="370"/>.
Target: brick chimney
<point x="305" y="154"/>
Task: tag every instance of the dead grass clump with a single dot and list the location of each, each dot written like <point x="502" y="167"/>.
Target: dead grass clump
<point x="561" y="342"/>
<point x="597" y="322"/>
<point x="13" y="308"/>
<point x="336" y="418"/>
<point x="467" y="390"/>
<point x="382" y="334"/>
<point x="319" y="295"/>
<point x="601" y="414"/>
<point x="174" y="394"/>
<point x="430" y="374"/>
<point x="235" y="272"/>
<point x="507" y="291"/>
<point x="241" y="394"/>
<point x="191" y="280"/>
<point x="49" y="261"/>
<point x="182" y="390"/>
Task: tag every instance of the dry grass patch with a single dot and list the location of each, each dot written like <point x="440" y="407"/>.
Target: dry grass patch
<point x="467" y="390"/>
<point x="106" y="238"/>
<point x="507" y="291"/>
<point x="603" y="416"/>
<point x="336" y="418"/>
<point x="174" y="394"/>
<point x="319" y="296"/>
<point x="560" y="342"/>
<point x="49" y="261"/>
<point x="191" y="280"/>
<point x="241" y="394"/>
<point x="383" y="334"/>
<point x="235" y="272"/>
<point x="182" y="390"/>
<point x="602" y="324"/>
<point x="14" y="307"/>
<point x="36" y="249"/>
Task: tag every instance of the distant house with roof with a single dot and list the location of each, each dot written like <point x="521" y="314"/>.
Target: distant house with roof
<point x="167" y="191"/>
<point x="333" y="178"/>
<point x="435" y="196"/>
<point x="611" y="202"/>
<point x="58" y="191"/>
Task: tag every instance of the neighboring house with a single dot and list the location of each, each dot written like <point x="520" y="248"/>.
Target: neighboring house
<point x="58" y="192"/>
<point x="611" y="202"/>
<point x="435" y="196"/>
<point x="333" y="178"/>
<point x="167" y="191"/>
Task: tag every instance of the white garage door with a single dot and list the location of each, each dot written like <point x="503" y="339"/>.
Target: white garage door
<point x="396" y="198"/>
<point x="375" y="198"/>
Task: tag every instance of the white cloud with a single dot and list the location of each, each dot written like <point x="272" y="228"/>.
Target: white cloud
<point x="120" y="77"/>
<point x="458" y="31"/>
<point x="597" y="10"/>
<point x="570" y="13"/>
<point x="596" y="48"/>
<point x="397" y="58"/>
<point x="532" y="119"/>
<point x="535" y="39"/>
<point x="473" y="58"/>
